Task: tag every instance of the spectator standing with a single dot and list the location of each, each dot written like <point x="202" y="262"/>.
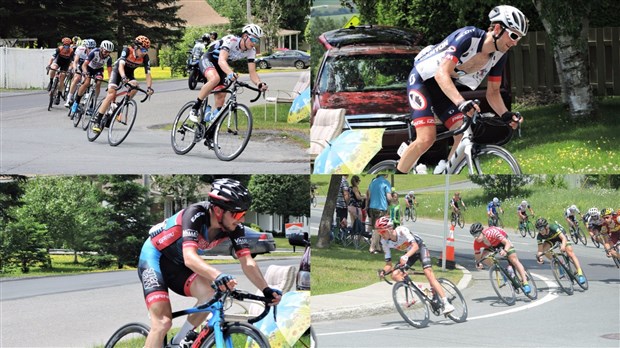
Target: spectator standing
<point x="395" y="210"/>
<point x="342" y="202"/>
<point x="379" y="194"/>
<point x="356" y="200"/>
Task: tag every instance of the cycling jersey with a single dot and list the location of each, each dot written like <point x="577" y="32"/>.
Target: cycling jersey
<point x="231" y="44"/>
<point x="523" y="209"/>
<point x="132" y="61"/>
<point x="404" y="241"/>
<point x="494" y="235"/>
<point x="410" y="199"/>
<point x="64" y="53"/>
<point x="491" y="207"/>
<point x="552" y="237"/>
<point x="594" y="224"/>
<point x="455" y="202"/>
<point x="82" y="53"/>
<point x="569" y="213"/>
<point x="97" y="61"/>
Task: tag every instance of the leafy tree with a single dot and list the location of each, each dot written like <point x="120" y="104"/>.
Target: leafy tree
<point x="128" y="218"/>
<point x="285" y="195"/>
<point x="24" y="242"/>
<point x="604" y="180"/>
<point x="269" y="14"/>
<point x="501" y="185"/>
<point x="68" y="206"/>
<point x="182" y="188"/>
<point x="325" y="226"/>
<point x="235" y="11"/>
<point x="10" y="192"/>
<point x="317" y="26"/>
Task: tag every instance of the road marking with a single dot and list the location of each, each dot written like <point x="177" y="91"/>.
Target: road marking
<point x="552" y="295"/>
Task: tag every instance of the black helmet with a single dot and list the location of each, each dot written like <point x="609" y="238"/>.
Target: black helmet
<point x="214" y="35"/>
<point x="475" y="228"/>
<point x="230" y="195"/>
<point x="541" y="223"/>
<point x="205" y="37"/>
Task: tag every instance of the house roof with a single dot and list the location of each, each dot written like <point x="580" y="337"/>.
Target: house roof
<point x="198" y="13"/>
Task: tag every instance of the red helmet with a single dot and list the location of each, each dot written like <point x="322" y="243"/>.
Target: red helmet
<point x="66" y="41"/>
<point x="143" y="41"/>
<point x="383" y="223"/>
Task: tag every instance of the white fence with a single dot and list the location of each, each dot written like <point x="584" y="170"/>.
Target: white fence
<point x="24" y="68"/>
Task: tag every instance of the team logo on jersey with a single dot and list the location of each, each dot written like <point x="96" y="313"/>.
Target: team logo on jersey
<point x="411" y="79"/>
<point x="197" y="215"/>
<point x="417" y="100"/>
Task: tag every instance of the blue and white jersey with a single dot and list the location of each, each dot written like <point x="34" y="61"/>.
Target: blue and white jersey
<point x="230" y="43"/>
<point x="82" y="54"/>
<point x="96" y="61"/>
<point x="462" y="46"/>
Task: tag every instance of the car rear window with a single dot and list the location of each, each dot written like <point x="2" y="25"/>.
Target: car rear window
<point x="358" y="73"/>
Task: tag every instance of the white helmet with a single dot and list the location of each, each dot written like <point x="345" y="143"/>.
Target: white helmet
<point x="524" y="203"/>
<point x="107" y="45"/>
<point x="510" y="17"/>
<point x="495" y="200"/>
<point x="253" y="30"/>
<point x="411" y="193"/>
<point x="593" y="212"/>
<point x="573" y="208"/>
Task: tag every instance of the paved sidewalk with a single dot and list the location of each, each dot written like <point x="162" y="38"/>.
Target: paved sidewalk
<point x="372" y="300"/>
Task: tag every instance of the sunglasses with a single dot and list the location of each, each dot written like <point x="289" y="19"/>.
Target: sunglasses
<point x="512" y="35"/>
<point x="607" y="217"/>
<point x="237" y="215"/>
<point x="254" y="40"/>
<point x="144" y="50"/>
<point x="104" y="51"/>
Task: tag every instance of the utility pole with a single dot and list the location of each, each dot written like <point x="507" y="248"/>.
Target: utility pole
<point x="248" y="10"/>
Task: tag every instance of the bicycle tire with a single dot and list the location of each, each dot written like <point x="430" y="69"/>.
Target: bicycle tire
<point x="479" y="157"/>
<point x="384" y="167"/>
<point x="129" y="335"/>
<point x="86" y="118"/>
<point x="530" y="229"/>
<point x="501" y="285"/>
<point x="407" y="212"/>
<point x="461" y="221"/>
<point x="455" y="297"/>
<point x="313" y="202"/>
<point x="595" y="241"/>
<point x="410" y="304"/>
<point x="500" y="222"/>
<point x="92" y="135"/>
<point x="53" y="93"/>
<point x="582" y="236"/>
<point x="123" y="120"/>
<point x="573" y="235"/>
<point x="238" y="334"/>
<point x="533" y="294"/>
<point x="522" y="230"/>
<point x="453" y="220"/>
<point x="184" y="131"/>
<point x="232" y="132"/>
<point x="573" y="271"/>
<point x="560" y="273"/>
<point x="414" y="215"/>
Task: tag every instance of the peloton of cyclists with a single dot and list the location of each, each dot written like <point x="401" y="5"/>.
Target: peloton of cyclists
<point x="492" y="208"/>
<point x="92" y="67"/>
<point x="81" y="53"/>
<point x="132" y="57"/>
<point x="491" y="238"/>
<point x="522" y="211"/>
<point x="548" y="235"/>
<point x="570" y="216"/>
<point x="401" y="238"/>
<point x="62" y="59"/>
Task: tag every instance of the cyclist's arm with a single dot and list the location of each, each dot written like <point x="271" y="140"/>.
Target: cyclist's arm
<point x="444" y="80"/>
<point x="251" y="270"/>
<point x="223" y="63"/>
<point x="121" y="69"/>
<point x="494" y="97"/>
<point x="253" y="75"/>
<point x="194" y="262"/>
<point x="85" y="65"/>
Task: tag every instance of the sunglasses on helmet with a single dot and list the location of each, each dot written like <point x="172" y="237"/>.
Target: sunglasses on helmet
<point x="512" y="35"/>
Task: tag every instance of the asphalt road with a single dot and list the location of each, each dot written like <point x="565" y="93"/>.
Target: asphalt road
<point x="37" y="141"/>
<point x="84" y="310"/>
<point x="585" y="319"/>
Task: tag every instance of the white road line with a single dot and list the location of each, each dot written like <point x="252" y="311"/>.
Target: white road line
<point x="553" y="294"/>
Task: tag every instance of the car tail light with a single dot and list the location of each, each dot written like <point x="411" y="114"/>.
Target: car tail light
<point x="263" y="236"/>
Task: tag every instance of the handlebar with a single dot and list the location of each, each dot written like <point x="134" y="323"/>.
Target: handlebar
<point x="398" y="267"/>
<point x="237" y="84"/>
<point x="131" y="87"/>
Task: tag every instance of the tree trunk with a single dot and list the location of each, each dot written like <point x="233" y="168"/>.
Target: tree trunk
<point x="327" y="218"/>
<point x="570" y="48"/>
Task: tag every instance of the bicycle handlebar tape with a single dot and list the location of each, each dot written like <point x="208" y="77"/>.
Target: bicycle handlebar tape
<point x="450" y="264"/>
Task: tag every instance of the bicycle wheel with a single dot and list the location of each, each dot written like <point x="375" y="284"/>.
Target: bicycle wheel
<point x="461" y="221"/>
<point x="560" y="273"/>
<point x="582" y="236"/>
<point x="410" y="305"/>
<point x="53" y="93"/>
<point x="595" y="241"/>
<point x="489" y="159"/>
<point x="414" y="215"/>
<point x="573" y="272"/>
<point x="184" y="133"/>
<point x="130" y="335"/>
<point x="232" y="132"/>
<point x="88" y="114"/>
<point x="407" y="212"/>
<point x="453" y="219"/>
<point x="533" y="294"/>
<point x="314" y="201"/>
<point x="500" y="223"/>
<point x="530" y="229"/>
<point x="90" y="133"/>
<point x="522" y="230"/>
<point x="238" y="335"/>
<point x="502" y="286"/>
<point x="123" y="119"/>
<point x="386" y="167"/>
<point x="454" y="296"/>
<point x="573" y="235"/>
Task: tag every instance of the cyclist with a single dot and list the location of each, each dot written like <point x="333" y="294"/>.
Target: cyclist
<point x="215" y="68"/>
<point x="593" y="221"/>
<point x="548" y="235"/>
<point x="93" y="68"/>
<point x="131" y="58"/>
<point x="570" y="216"/>
<point x="491" y="238"/>
<point x="61" y="59"/>
<point x="492" y="209"/>
<point x="522" y="212"/>
<point x="465" y="57"/>
<point x="76" y="41"/>
<point x="410" y="200"/>
<point x="81" y="53"/>
<point x="170" y="257"/>
<point x="610" y="229"/>
<point x="401" y="238"/>
<point x="454" y="203"/>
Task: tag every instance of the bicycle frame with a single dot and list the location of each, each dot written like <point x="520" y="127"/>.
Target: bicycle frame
<point x="430" y="296"/>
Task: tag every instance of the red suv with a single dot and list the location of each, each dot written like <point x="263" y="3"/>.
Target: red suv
<point x="365" y="71"/>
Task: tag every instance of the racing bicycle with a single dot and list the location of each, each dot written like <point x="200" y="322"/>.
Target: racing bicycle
<point x="217" y="331"/>
<point x="564" y="270"/>
<point x="228" y="133"/>
<point x="577" y="234"/>
<point x="496" y="220"/>
<point x="526" y="227"/>
<point x="457" y="218"/>
<point x="506" y="280"/>
<point x="54" y="93"/>
<point x="119" y="117"/>
<point x="478" y="158"/>
<point x="411" y="214"/>
<point x="414" y="301"/>
<point x="86" y="108"/>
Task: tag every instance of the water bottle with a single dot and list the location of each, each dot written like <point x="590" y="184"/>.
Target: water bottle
<point x="511" y="271"/>
<point x="207" y="117"/>
<point x="112" y="108"/>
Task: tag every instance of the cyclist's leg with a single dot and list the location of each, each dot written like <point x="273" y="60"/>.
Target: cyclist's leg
<point x="571" y="253"/>
<point x="211" y="72"/>
<point x="514" y="260"/>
